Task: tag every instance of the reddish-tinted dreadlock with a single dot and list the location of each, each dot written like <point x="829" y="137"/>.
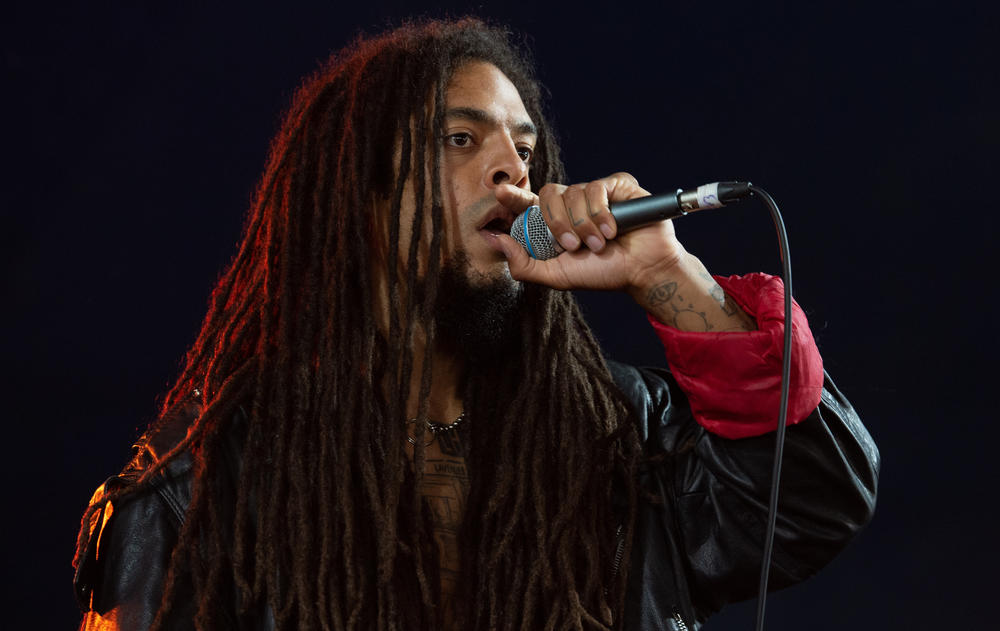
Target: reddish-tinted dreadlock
<point x="326" y="528"/>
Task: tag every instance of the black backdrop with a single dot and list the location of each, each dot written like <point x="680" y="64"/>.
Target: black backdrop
<point x="133" y="137"/>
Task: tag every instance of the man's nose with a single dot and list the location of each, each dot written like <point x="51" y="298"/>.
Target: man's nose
<point x="507" y="167"/>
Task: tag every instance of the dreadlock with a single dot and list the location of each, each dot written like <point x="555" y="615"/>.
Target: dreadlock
<point x="326" y="530"/>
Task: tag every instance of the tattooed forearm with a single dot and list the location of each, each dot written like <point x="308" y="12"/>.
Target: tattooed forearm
<point x="719" y="295"/>
<point x="694" y="310"/>
<point x="661" y="294"/>
<point x="688" y="319"/>
<point x="728" y="306"/>
<point x="740" y="320"/>
<point x="684" y="295"/>
<point x="681" y="314"/>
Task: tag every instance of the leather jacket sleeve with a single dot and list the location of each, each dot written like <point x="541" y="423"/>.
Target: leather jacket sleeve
<point x="698" y="543"/>
<point x="708" y="429"/>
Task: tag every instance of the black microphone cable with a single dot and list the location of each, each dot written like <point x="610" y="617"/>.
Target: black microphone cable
<point x="786" y="370"/>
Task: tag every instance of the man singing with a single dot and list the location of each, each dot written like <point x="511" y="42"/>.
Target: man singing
<point x="394" y="418"/>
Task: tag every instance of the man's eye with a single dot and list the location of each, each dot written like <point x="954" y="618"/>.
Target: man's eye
<point x="525" y="153"/>
<point x="458" y="140"/>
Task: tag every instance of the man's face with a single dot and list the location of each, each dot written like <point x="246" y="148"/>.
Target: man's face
<point x="488" y="140"/>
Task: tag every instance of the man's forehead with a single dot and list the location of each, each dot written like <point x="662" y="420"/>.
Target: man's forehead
<point x="480" y="92"/>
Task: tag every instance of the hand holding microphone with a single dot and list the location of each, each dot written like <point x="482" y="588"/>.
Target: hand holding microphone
<point x="531" y="231"/>
<point x="590" y="221"/>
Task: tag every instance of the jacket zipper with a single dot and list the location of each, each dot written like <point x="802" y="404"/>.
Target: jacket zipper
<point x="680" y="622"/>
<point x="617" y="561"/>
<point x="619" y="552"/>
<point x="616" y="564"/>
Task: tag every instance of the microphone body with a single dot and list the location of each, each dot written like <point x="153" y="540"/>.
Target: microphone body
<point x="531" y="231"/>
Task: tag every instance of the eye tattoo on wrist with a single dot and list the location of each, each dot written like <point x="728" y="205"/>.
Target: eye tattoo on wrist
<point x="661" y="294"/>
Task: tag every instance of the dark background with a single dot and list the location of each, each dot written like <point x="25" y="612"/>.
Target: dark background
<point x="133" y="137"/>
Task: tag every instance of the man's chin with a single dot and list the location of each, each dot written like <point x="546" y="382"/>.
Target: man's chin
<point x="491" y="266"/>
<point x="476" y="310"/>
<point x="493" y="275"/>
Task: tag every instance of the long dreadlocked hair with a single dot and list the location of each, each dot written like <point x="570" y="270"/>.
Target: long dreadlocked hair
<point x="328" y="530"/>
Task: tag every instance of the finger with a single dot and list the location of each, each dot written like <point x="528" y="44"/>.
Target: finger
<point x="599" y="208"/>
<point x="623" y="186"/>
<point x="525" y="268"/>
<point x="553" y="206"/>
<point x="515" y="198"/>
<point x="581" y="211"/>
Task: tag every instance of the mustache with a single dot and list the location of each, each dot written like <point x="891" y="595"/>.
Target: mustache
<point x="481" y="205"/>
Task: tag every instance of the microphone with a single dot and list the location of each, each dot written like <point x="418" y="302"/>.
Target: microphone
<point x="531" y="231"/>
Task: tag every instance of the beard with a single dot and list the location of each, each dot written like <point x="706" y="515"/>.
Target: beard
<point x="476" y="314"/>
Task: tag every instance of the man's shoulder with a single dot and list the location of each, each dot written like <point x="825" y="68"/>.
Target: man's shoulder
<point x="655" y="400"/>
<point x="637" y="380"/>
<point x="144" y="506"/>
<point x="138" y="508"/>
<point x="154" y="469"/>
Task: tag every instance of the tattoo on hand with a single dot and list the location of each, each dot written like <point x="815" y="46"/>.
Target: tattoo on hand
<point x="576" y="222"/>
<point x="661" y="294"/>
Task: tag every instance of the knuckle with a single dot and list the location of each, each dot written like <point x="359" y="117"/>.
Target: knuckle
<point x="597" y="194"/>
<point x="627" y="178"/>
<point x="574" y="195"/>
<point x="551" y="188"/>
<point x="555" y="216"/>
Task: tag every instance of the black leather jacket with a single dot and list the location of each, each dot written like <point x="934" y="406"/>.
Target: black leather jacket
<point x="696" y="550"/>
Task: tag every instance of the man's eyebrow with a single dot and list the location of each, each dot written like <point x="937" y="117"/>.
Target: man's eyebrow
<point x="480" y="116"/>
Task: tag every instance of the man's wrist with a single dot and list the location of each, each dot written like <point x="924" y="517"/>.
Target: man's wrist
<point x="685" y="296"/>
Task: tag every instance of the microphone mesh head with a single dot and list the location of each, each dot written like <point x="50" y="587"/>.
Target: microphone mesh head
<point x="533" y="234"/>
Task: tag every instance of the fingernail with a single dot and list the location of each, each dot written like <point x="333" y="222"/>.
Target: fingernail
<point x="606" y="230"/>
<point x="594" y="243"/>
<point x="569" y="241"/>
<point x="498" y="243"/>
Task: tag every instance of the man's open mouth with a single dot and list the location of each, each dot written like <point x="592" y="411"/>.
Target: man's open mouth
<point x="497" y="221"/>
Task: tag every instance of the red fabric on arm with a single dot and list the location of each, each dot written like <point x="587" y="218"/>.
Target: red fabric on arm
<point x="733" y="380"/>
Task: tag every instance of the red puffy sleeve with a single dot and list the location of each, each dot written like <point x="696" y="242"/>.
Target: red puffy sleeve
<point x="733" y="380"/>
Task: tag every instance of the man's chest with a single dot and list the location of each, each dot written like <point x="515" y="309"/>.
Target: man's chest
<point x="444" y="489"/>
